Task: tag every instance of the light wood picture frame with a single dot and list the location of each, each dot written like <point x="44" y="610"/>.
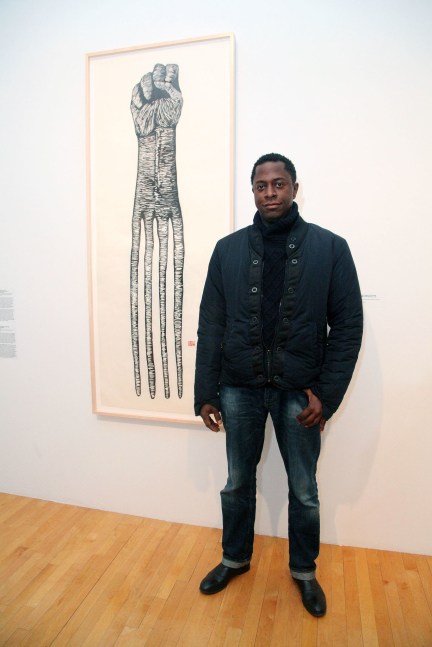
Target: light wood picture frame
<point x="160" y="148"/>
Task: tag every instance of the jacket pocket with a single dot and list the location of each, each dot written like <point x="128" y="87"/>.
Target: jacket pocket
<point x="321" y="341"/>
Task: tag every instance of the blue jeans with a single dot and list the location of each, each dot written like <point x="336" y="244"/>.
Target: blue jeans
<point x="244" y="413"/>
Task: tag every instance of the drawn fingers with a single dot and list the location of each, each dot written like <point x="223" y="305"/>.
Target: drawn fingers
<point x="147" y="86"/>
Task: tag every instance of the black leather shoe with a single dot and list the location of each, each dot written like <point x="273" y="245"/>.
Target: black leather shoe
<point x="219" y="577"/>
<point x="313" y="597"/>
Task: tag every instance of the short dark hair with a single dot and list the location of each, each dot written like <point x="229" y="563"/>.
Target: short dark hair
<point x="275" y="157"/>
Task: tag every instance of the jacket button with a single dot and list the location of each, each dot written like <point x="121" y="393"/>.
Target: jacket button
<point x="254" y="290"/>
<point x="291" y="246"/>
<point x="290" y="290"/>
<point x="260" y="376"/>
<point x="285" y="320"/>
<point x="294" y="261"/>
<point x="254" y="319"/>
<point x="276" y="378"/>
<point x="255" y="262"/>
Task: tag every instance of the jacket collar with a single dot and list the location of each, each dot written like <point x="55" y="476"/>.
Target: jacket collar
<point x="297" y="233"/>
<point x="279" y="227"/>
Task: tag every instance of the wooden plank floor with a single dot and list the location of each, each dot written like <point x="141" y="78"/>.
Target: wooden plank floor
<point x="72" y="576"/>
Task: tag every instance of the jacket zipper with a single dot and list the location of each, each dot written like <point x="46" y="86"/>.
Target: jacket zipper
<point x="268" y="364"/>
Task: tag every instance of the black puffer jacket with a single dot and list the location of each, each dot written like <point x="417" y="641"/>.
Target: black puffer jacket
<point x="319" y="331"/>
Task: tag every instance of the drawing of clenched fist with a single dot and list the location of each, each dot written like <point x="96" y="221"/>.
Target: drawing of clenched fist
<point x="156" y="107"/>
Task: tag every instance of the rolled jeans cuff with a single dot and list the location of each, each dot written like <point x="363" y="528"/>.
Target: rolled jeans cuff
<point x="302" y="576"/>
<point x="232" y="564"/>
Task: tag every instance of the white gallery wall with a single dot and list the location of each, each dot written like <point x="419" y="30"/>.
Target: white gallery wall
<point x="341" y="87"/>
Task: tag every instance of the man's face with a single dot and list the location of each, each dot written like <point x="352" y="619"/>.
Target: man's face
<point x="273" y="189"/>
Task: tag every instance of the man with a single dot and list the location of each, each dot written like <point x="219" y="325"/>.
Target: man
<point x="279" y="333"/>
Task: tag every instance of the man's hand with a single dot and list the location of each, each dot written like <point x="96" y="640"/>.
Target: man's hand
<point x="208" y="410"/>
<point x="312" y="414"/>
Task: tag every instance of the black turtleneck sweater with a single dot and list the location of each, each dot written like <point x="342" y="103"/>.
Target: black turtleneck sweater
<point x="275" y="236"/>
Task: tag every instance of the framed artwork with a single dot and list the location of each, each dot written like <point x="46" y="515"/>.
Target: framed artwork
<point x="160" y="122"/>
